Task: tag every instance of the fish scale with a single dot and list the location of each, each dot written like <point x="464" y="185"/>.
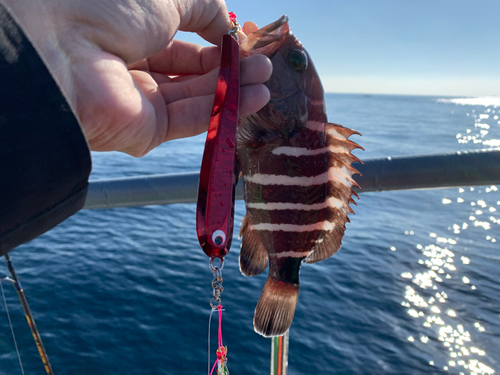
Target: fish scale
<point x="297" y="174"/>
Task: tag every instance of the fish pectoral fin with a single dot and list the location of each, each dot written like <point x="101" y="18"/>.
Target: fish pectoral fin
<point x="252" y="132"/>
<point x="326" y="247"/>
<point x="253" y="254"/>
<point x="276" y="308"/>
<point x="248" y="139"/>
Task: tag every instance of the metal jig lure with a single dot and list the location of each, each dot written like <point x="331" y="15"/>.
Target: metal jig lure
<point x="215" y="207"/>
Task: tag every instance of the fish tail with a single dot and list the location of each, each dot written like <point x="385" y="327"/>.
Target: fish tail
<point x="276" y="308"/>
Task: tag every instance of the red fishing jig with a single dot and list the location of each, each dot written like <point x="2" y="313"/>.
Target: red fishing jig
<point x="215" y="208"/>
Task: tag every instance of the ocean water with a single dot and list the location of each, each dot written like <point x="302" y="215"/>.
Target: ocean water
<point x="414" y="289"/>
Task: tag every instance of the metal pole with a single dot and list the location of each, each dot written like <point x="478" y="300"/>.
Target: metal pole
<point x="279" y="354"/>
<point x="29" y="316"/>
<point x="465" y="168"/>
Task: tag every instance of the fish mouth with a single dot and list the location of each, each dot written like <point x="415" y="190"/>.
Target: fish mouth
<point x="268" y="32"/>
<point x="276" y="24"/>
<point x="267" y="39"/>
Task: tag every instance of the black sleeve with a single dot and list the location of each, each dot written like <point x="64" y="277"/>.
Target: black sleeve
<point x="44" y="158"/>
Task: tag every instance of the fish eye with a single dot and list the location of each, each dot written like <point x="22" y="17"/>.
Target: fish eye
<point x="297" y="59"/>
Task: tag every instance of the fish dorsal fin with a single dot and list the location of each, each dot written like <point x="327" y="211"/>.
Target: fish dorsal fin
<point x="253" y="255"/>
<point x="339" y="190"/>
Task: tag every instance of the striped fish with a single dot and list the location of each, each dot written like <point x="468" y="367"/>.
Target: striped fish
<point x="297" y="174"/>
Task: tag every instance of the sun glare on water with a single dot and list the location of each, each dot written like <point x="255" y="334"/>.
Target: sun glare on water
<point x="483" y="123"/>
<point x="426" y="298"/>
<point x="493" y="101"/>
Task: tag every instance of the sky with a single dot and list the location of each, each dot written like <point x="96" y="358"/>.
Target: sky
<point x="439" y="47"/>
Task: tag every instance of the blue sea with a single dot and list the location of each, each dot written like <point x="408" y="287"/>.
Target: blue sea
<point x="415" y="288"/>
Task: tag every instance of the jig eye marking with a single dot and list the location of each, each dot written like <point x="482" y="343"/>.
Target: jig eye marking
<point x="219" y="237"/>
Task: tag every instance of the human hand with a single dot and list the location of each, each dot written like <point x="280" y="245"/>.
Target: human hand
<point x="114" y="59"/>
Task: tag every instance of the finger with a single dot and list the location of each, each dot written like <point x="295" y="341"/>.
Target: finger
<point x="162" y="78"/>
<point x="252" y="99"/>
<point x="255" y="69"/>
<point x="208" y="18"/>
<point x="180" y="58"/>
<point x="249" y="27"/>
<point x="139" y="65"/>
<point x="190" y="117"/>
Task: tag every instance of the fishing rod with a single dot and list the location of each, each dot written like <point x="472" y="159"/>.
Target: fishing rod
<point x="27" y="312"/>
<point x="279" y="354"/>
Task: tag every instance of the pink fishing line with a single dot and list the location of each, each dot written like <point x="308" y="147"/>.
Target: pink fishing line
<point x="221" y="351"/>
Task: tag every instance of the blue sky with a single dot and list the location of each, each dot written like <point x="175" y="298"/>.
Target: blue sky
<point x="421" y="47"/>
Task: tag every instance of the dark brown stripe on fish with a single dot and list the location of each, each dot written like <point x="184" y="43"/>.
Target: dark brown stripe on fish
<point x="316" y="109"/>
<point x="258" y="193"/>
<point x="287" y="243"/>
<point x="281" y="160"/>
<point x="303" y="166"/>
<point x="297" y="216"/>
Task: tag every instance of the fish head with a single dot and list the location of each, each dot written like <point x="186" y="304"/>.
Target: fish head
<point x="294" y="85"/>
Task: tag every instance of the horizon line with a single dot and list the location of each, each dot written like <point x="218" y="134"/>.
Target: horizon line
<point x="401" y="94"/>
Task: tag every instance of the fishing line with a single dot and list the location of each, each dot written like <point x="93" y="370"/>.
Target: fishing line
<point x="221" y="353"/>
<point x="11" y="327"/>
<point x="209" y="325"/>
